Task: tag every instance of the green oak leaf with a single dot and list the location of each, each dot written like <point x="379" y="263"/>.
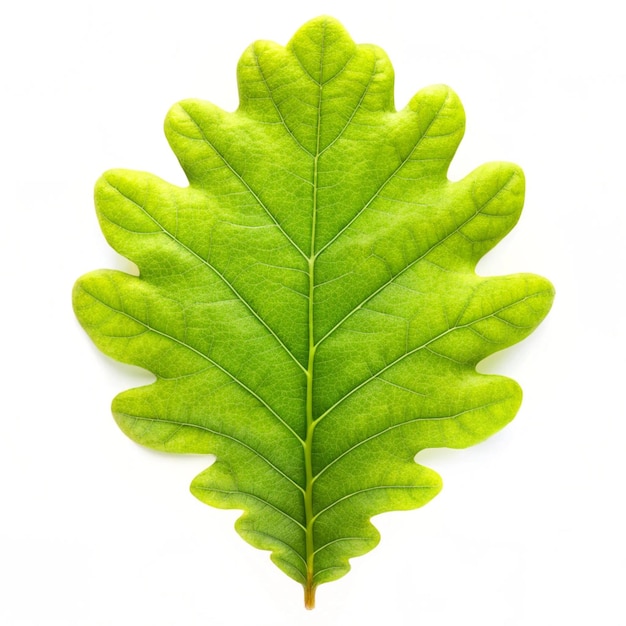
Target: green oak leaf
<point x="309" y="303"/>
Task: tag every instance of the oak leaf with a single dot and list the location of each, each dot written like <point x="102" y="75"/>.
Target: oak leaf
<point x="308" y="304"/>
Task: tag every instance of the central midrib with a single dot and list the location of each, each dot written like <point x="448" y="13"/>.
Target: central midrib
<point x="309" y="590"/>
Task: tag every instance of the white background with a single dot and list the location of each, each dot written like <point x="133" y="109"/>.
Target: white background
<point x="529" y="529"/>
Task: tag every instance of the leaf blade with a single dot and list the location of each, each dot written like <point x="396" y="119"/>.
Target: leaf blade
<point x="309" y="304"/>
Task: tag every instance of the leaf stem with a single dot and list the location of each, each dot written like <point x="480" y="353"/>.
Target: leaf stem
<point x="309" y="593"/>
